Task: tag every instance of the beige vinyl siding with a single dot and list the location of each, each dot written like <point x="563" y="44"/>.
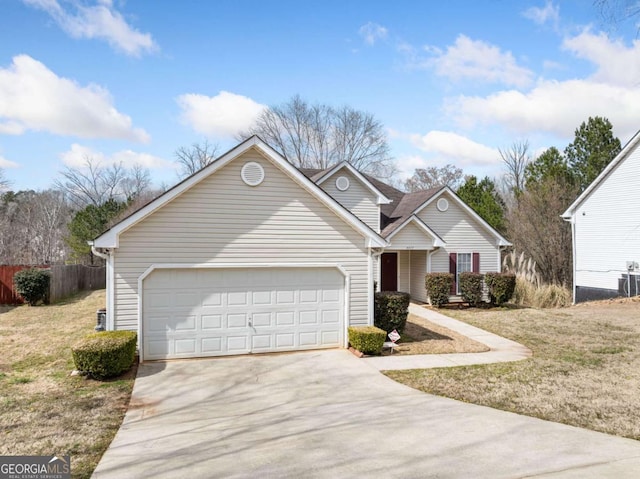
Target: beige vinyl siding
<point x="222" y="220"/>
<point x="607" y="227"/>
<point x="357" y="198"/>
<point x="404" y="279"/>
<point x="462" y="234"/>
<point x="418" y="272"/>
<point x="411" y="237"/>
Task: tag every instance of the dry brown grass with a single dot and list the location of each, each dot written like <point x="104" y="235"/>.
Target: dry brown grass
<point x="585" y="370"/>
<point x="43" y="410"/>
<point x="424" y="337"/>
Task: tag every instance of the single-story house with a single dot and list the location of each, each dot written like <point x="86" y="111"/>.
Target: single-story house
<point x="605" y="225"/>
<point x="251" y="254"/>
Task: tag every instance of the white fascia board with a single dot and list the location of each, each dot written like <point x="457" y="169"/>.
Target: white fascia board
<point x="382" y="199"/>
<point x="500" y="240"/>
<point x="626" y="150"/>
<point x="437" y="241"/>
<point x="110" y="238"/>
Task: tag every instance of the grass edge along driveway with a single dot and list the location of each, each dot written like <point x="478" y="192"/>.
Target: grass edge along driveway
<point x="44" y="410"/>
<point x="585" y="369"/>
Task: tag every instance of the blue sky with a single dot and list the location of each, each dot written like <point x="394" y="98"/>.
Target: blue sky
<point x="131" y="81"/>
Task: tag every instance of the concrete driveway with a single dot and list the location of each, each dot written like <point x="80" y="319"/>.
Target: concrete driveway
<point x="328" y="414"/>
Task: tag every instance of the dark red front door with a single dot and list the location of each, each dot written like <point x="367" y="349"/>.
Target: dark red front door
<point x="389" y="272"/>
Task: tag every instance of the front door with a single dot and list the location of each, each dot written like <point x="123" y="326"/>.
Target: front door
<point x="389" y="272"/>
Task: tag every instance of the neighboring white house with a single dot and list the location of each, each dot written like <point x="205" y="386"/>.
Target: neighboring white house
<point x="605" y="222"/>
<point x="251" y="254"/>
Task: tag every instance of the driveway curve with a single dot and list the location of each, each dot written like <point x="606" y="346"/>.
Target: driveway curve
<point x="327" y="414"/>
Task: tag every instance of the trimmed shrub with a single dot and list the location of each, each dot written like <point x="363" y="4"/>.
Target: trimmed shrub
<point x="471" y="287"/>
<point x="32" y="284"/>
<point x="438" y="287"/>
<point x="501" y="286"/>
<point x="391" y="310"/>
<point x="106" y="354"/>
<point x="367" y="339"/>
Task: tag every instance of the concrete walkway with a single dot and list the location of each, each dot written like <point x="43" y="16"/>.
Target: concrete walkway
<point x="502" y="350"/>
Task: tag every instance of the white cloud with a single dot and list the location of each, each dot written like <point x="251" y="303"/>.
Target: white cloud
<point x="4" y="163"/>
<point x="555" y="107"/>
<point x="372" y="32"/>
<point x="472" y="59"/>
<point x="77" y="157"/>
<point x="558" y="107"/>
<point x="616" y="63"/>
<point x="541" y="15"/>
<point x="223" y="115"/>
<point x="32" y="97"/>
<point x="456" y="148"/>
<point x="100" y="21"/>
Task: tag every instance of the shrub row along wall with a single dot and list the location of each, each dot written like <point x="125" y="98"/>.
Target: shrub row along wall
<point x="65" y="280"/>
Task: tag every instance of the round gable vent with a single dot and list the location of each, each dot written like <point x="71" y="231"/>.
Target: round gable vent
<point x="252" y="173"/>
<point x="442" y="204"/>
<point x="342" y="183"/>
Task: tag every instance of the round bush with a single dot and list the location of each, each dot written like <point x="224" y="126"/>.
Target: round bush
<point x="391" y="310"/>
<point x="32" y="284"/>
<point x="438" y="286"/>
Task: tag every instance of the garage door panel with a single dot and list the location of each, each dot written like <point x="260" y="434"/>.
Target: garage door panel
<point x="237" y="320"/>
<point x="308" y="317"/>
<point x="211" y="321"/>
<point x="262" y="320"/>
<point x="289" y="309"/>
<point x="238" y="344"/>
<point x="210" y="298"/>
<point x="285" y="318"/>
<point x="211" y="346"/>
<point x="261" y="298"/>
<point x="330" y="316"/>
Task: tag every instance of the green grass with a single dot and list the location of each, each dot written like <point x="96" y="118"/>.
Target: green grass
<point x="44" y="410"/>
<point x="585" y="369"/>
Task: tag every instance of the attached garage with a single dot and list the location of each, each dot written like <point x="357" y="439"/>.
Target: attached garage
<point x="198" y="312"/>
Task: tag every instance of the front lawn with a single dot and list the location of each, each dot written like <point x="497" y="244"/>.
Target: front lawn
<point x="44" y="410"/>
<point x="424" y="337"/>
<point x="585" y="369"/>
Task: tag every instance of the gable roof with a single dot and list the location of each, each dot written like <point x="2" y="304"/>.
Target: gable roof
<point x="320" y="178"/>
<point x="500" y="240"/>
<point x="624" y="153"/>
<point x="110" y="238"/>
<point x="437" y="241"/>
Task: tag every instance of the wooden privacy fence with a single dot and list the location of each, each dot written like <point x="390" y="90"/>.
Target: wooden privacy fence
<point x="66" y="279"/>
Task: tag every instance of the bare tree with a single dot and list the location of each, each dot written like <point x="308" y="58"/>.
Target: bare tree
<point x="33" y="227"/>
<point x="535" y="227"/>
<point x="614" y="12"/>
<point x="515" y="159"/>
<point x="136" y="182"/>
<point x="194" y="158"/>
<point x="94" y="184"/>
<point x="319" y="136"/>
<point x="433" y="177"/>
<point x="4" y="183"/>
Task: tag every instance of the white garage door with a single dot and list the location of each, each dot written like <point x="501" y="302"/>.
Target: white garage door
<point x="214" y="312"/>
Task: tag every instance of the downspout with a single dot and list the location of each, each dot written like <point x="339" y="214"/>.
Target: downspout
<point x="375" y="253"/>
<point x="106" y="257"/>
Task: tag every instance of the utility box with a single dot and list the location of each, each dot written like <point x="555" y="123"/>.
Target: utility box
<point x="101" y="319"/>
<point x="629" y="285"/>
